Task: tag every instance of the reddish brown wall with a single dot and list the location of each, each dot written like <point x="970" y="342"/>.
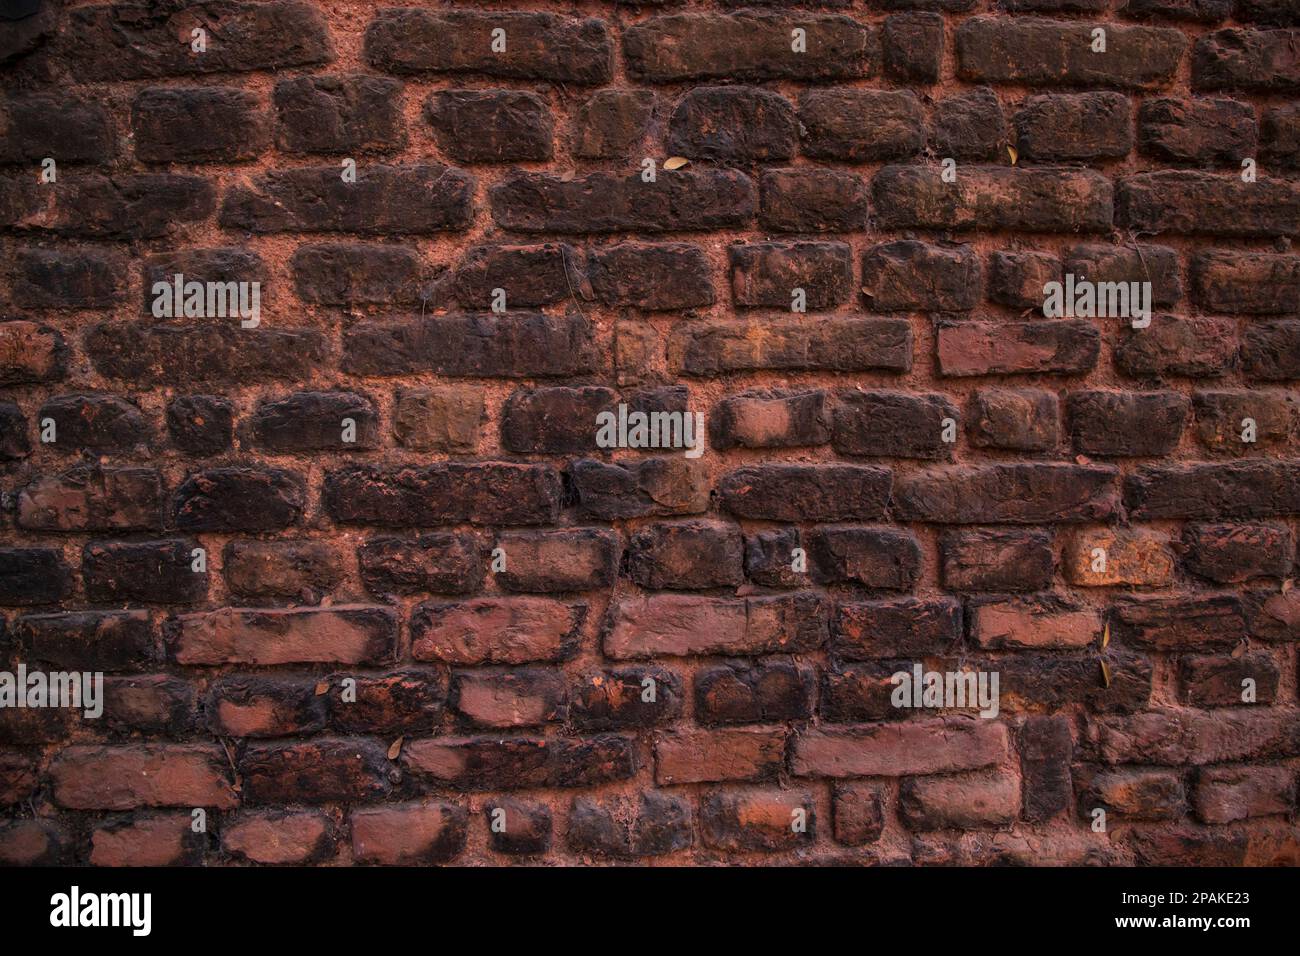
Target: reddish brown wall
<point x="521" y="689"/>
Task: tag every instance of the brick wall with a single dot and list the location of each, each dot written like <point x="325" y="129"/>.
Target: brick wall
<point x="466" y="632"/>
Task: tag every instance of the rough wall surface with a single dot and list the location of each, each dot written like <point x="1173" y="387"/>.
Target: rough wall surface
<point x="365" y="588"/>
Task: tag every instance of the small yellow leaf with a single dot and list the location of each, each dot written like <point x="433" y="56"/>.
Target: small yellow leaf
<point x="1105" y="636"/>
<point x="1287" y="585"/>
<point x="675" y="162"/>
<point x="322" y="688"/>
<point x="1239" y="650"/>
<point x="1011" y="151"/>
<point x="395" y="749"/>
<point x="1105" y="674"/>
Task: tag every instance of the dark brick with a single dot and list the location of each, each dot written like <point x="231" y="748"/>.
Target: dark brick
<point x="1014" y="419"/>
<point x="490" y="126"/>
<point x="1178" y="622"/>
<point x="1046" y="751"/>
<point x="1017" y="279"/>
<point x="1207" y="492"/>
<point x="69" y="278"/>
<point x="577" y="559"/>
<point x="969" y="127"/>
<point x="30" y="577"/>
<point x="1048" y="52"/>
<point x="1195" y="347"/>
<point x="654" y="487"/>
<point x="339" y="114"/>
<point x="320" y="771"/>
<point x="679" y="200"/>
<point x="806" y="492"/>
<point x="206" y="124"/>
<point x="834" y="343"/>
<point x="200" y="425"/>
<point x="1252" y="283"/>
<point x="1009" y="494"/>
<point x="612" y="123"/>
<point x="861" y="126"/>
<point x="910" y="276"/>
<point x="811" y="199"/>
<point x="531" y="276"/>
<point x="239" y="499"/>
<point x="1196" y="202"/>
<point x="384" y="200"/>
<point x="1133" y="263"/>
<point x="1127" y="424"/>
<point x="1218" y="681"/>
<point x="1074" y="127"/>
<point x="147" y="572"/>
<point x="92" y="498"/>
<point x="662" y="277"/>
<point x="733" y="123"/>
<point x="443" y="563"/>
<point x="878" y="558"/>
<point x="510" y="763"/>
<point x="99" y="423"/>
<point x="1235" y="553"/>
<point x="442" y="493"/>
<point x="991" y="560"/>
<point x="897" y="628"/>
<point x="1060" y="347"/>
<point x="654" y="824"/>
<point x="71" y="130"/>
<point x="539" y="46"/>
<point x="298" y="571"/>
<point x="913" y="46"/>
<point x="688" y="556"/>
<point x="314" y="421"/>
<point x="770" y="419"/>
<point x="1200" y="131"/>
<point x="748" y="46"/>
<point x="626" y="698"/>
<point x="1246" y="60"/>
<point x="766" y="274"/>
<point x="893" y="425"/>
<point x="358" y="274"/>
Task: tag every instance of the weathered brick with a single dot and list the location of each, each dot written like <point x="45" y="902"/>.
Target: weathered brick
<point x="1201" y="131"/>
<point x="345" y="634"/>
<point x="1046" y="750"/>
<point x="1246" y="489"/>
<point x="910" y="276"/>
<point x="770" y="419"/>
<point x="82" y="278"/>
<point x="1057" y="347"/>
<point x="279" y="837"/>
<point x="1254" y="284"/>
<point x="1228" y="794"/>
<point x="517" y="345"/>
<point x="92" y="498"/>
<point x="1074" y="127"/>
<point x="146" y="572"/>
<point x="319" y="771"/>
<point x="913" y="46"/>
<point x="30" y="577"/>
<point x="74" y="130"/>
<point x="1235" y="553"/>
<point x="965" y="801"/>
<point x="677" y="201"/>
<point x="1207" y="203"/>
<point x="530" y="276"/>
<point x="894" y="425"/>
<point x="1178" y="622"/>
<point x="126" y="42"/>
<point x="1272" y="351"/>
<point x="861" y="126"/>
<point x="1132" y="263"/>
<point x="653" y="487"/>
<point x="880" y="558"/>
<point x="892" y="629"/>
<point x="1222" y="681"/>
<point x="519" y="828"/>
<point x="1127" y="424"/>
<point x="239" y="499"/>
<point x="443" y="493"/>
<point x="1036" y="199"/>
<point x="1009" y="494"/>
<point x="87" y="640"/>
<point x="859" y="814"/>
<point x="30" y="352"/>
<point x="835" y="344"/>
<point x="509" y="763"/>
<point x="1042" y="623"/>
<point x="1014" y="419"/>
<point x="358" y="274"/>
<point x="612" y="123"/>
<point x="521" y="697"/>
<point x="1131" y="556"/>
<point x="1173" y="738"/>
<point x="626" y="698"/>
<point x="748" y="46"/>
<point x="338" y="114"/>
<point x="1017" y="279"/>
<point x="299" y="571"/>
<point x="1131" y="794"/>
<point x="742" y="124"/>
<point x="1194" y="347"/>
<point x="762" y="820"/>
<point x="811" y="199"/>
<point x="490" y="126"/>
<point x="944" y="745"/>
<point x="579" y="559"/>
<point x="197" y="125"/>
<point x="1244" y="422"/>
<point x="765" y="691"/>
<point x="539" y="46"/>
<point x="806" y="492"/>
<point x="682" y="626"/>
<point x="653" y="824"/>
<point x="688" y="556"/>
<point x="1049" y="52"/>
<point x="146" y="775"/>
<point x="496" y="630"/>
<point x="438" y="419"/>
<point x="1246" y="60"/>
<point x="384" y="200"/>
<point x="768" y="274"/>
<point x="969" y="126"/>
<point x="201" y="425"/>
<point x="705" y="756"/>
<point x="996" y="560"/>
<point x="660" y="277"/>
<point x="264" y="707"/>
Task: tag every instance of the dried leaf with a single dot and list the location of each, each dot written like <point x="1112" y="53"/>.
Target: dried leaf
<point x="1011" y="151"/>
<point x="1105" y="674"/>
<point x="675" y="162"/>
<point x="1239" y="650"/>
<point x="1105" y="636"/>
<point x="322" y="688"/>
<point x="395" y="749"/>
<point x="1287" y="585"/>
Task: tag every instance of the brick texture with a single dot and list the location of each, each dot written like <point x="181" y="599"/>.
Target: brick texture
<point x="366" y="584"/>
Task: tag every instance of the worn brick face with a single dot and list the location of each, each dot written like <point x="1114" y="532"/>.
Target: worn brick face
<point x="373" y="581"/>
